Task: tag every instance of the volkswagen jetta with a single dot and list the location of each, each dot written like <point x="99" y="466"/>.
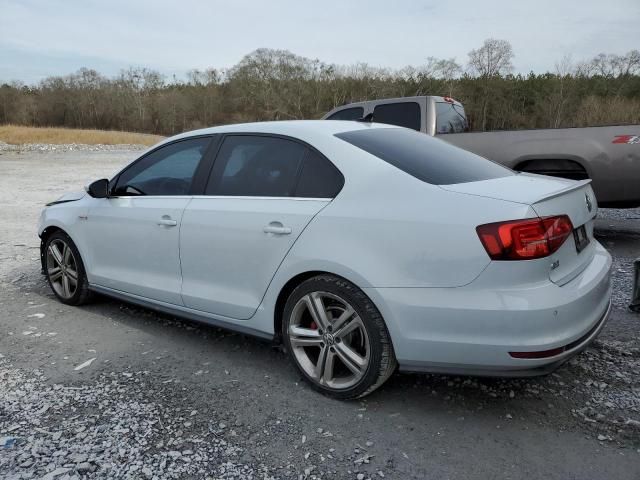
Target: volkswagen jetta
<point x="362" y="247"/>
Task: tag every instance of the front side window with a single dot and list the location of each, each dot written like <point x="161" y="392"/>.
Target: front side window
<point x="450" y="118"/>
<point x="426" y="158"/>
<point x="403" y="114"/>
<point x="354" y="113"/>
<point x="168" y="170"/>
<point x="256" y="166"/>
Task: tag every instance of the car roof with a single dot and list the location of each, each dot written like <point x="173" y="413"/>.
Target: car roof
<point x="305" y="130"/>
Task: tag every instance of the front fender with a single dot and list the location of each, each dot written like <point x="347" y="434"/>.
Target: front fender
<point x="65" y="216"/>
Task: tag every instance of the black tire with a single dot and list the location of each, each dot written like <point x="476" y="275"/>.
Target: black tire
<point x="381" y="358"/>
<point x="81" y="294"/>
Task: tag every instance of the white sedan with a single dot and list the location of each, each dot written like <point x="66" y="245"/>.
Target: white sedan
<point x="362" y="247"/>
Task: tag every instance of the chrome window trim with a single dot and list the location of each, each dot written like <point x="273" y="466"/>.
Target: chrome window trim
<point x="229" y="197"/>
<point x="182" y="197"/>
<point x="242" y="197"/>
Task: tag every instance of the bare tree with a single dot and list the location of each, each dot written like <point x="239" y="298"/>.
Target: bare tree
<point x="564" y="73"/>
<point x="199" y="78"/>
<point x="630" y="64"/>
<point x="446" y="69"/>
<point x="491" y="60"/>
<point x="614" y="66"/>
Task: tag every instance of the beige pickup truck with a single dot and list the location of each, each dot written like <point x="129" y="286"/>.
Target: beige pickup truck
<point x="609" y="155"/>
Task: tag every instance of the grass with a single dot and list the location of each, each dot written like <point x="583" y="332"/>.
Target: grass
<point x="18" y="135"/>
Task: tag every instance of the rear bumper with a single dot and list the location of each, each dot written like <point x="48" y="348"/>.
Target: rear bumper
<point x="471" y="330"/>
<point x="525" y="371"/>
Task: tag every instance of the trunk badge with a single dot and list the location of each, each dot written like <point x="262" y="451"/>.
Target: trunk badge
<point x="587" y="199"/>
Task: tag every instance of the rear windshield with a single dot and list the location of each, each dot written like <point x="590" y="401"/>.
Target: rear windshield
<point x="426" y="158"/>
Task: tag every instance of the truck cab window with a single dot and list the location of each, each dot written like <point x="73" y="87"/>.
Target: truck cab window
<point x="404" y="114"/>
<point x="450" y="118"/>
<point x="354" y="113"/>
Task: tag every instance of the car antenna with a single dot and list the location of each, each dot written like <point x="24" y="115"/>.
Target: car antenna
<point x="367" y="118"/>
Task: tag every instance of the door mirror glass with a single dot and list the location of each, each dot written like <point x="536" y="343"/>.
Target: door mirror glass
<point x="99" y="188"/>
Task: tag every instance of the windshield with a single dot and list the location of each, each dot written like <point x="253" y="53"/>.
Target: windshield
<point x="450" y="118"/>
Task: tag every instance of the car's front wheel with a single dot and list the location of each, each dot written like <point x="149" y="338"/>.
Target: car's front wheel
<point x="337" y="338"/>
<point x="65" y="271"/>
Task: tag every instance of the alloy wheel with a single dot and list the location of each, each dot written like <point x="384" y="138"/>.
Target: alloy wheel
<point x="329" y="340"/>
<point x="62" y="268"/>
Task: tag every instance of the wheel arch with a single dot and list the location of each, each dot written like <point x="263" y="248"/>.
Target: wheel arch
<point x="44" y="235"/>
<point x="50" y="230"/>
<point x="283" y="295"/>
<point x="565" y="166"/>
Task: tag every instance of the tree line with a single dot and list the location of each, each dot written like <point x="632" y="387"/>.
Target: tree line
<point x="279" y="85"/>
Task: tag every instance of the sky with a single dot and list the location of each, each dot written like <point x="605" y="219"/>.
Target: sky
<point x="40" y="38"/>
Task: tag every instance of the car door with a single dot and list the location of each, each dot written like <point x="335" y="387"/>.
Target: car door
<point x="262" y="193"/>
<point x="133" y="234"/>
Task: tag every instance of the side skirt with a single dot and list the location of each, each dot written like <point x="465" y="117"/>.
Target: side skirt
<point x="182" y="312"/>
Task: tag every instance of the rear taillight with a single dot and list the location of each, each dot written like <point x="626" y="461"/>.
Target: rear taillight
<point x="524" y="239"/>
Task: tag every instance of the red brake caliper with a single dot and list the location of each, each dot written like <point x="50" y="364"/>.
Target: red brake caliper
<point x="313" y="326"/>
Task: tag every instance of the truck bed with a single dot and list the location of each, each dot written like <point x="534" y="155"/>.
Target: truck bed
<point x="609" y="155"/>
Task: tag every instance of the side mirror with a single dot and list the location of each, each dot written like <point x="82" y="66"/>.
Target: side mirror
<point x="99" y="188"/>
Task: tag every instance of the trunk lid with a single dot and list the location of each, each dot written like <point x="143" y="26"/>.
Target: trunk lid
<point x="548" y="196"/>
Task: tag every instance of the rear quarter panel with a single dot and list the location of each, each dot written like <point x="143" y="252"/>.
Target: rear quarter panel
<point x="389" y="229"/>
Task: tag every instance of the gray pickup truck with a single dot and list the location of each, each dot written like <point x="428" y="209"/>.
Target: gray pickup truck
<point x="609" y="156"/>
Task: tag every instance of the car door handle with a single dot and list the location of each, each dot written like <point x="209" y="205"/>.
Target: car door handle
<point x="277" y="228"/>
<point x="166" y="221"/>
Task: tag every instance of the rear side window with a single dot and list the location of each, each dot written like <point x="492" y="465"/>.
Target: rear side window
<point x="319" y="178"/>
<point x="355" y="113"/>
<point x="404" y="114"/>
<point x="450" y="118"/>
<point x="426" y="158"/>
<point x="256" y="166"/>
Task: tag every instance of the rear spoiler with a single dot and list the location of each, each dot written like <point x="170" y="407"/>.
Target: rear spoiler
<point x="576" y="186"/>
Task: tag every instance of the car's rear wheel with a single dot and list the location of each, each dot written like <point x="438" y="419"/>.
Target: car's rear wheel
<point x="65" y="271"/>
<point x="337" y="338"/>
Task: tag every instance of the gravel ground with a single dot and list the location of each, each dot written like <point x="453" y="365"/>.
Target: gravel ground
<point x="619" y="214"/>
<point x="113" y="428"/>
<point x="115" y="391"/>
